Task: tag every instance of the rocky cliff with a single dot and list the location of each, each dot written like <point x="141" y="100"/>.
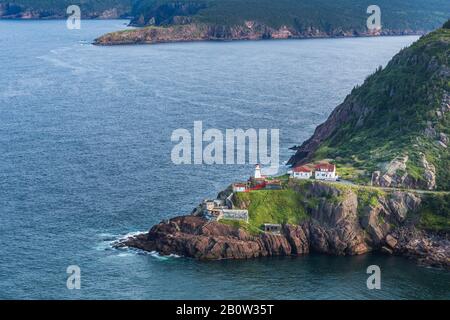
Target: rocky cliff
<point x="195" y="20"/>
<point x="249" y="30"/>
<point x="340" y="221"/>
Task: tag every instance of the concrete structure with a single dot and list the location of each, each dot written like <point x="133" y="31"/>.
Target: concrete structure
<point x="301" y="173"/>
<point x="272" y="228"/>
<point x="326" y="171"/>
<point x="219" y="203"/>
<point x="233" y="214"/>
<point x="209" y="204"/>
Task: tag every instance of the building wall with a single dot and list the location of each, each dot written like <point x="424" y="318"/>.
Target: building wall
<point x="302" y="175"/>
<point x="325" y="175"/>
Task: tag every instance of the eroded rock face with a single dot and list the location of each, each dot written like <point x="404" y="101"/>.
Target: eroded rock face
<point x="430" y="174"/>
<point x="298" y="238"/>
<point x="334" y="227"/>
<point x="395" y="175"/>
<point x="378" y="220"/>
<point x="195" y="237"/>
<point x="181" y="27"/>
<point x="337" y="225"/>
<point x="427" y="249"/>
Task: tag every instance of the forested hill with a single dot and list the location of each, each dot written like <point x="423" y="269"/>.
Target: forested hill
<point x="56" y="9"/>
<point x="300" y="16"/>
<point x="394" y="130"/>
<point x="324" y="15"/>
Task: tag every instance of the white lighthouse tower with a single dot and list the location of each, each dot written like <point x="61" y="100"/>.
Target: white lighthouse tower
<point x="258" y="172"/>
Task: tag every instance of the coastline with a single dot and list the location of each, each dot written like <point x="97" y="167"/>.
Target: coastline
<point x="339" y="221"/>
<point x="252" y="40"/>
<point x="254" y="32"/>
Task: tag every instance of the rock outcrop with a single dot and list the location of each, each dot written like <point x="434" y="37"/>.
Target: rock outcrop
<point x="186" y="30"/>
<point x="334" y="224"/>
<point x="193" y="236"/>
<point x="339" y="223"/>
<point x="395" y="175"/>
<point x="428" y="249"/>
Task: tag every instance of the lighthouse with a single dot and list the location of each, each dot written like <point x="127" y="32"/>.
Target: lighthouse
<point x="258" y="172"/>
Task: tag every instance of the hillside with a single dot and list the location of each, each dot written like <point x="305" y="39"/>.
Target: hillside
<point x="197" y="20"/>
<point x="56" y="9"/>
<point x="328" y="218"/>
<point x="394" y="130"/>
<point x="297" y="201"/>
<point x="200" y="20"/>
<point x="324" y="15"/>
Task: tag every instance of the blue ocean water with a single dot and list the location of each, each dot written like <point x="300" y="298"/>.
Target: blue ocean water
<point x="85" y="159"/>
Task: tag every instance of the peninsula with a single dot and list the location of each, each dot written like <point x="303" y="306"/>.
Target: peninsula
<point x="388" y="139"/>
<point x="201" y="20"/>
<point x="159" y="21"/>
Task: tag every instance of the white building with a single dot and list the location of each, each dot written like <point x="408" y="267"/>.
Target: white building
<point x="239" y="187"/>
<point x="257" y="172"/>
<point x="326" y="172"/>
<point x="301" y="173"/>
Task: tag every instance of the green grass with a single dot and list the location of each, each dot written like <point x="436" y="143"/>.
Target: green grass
<point x="243" y="225"/>
<point x="434" y="222"/>
<point x="292" y="204"/>
<point x="349" y="172"/>
<point x="273" y="206"/>
<point x="369" y="198"/>
<point x="435" y="213"/>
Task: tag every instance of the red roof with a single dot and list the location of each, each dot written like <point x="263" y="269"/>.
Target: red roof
<point x="301" y="169"/>
<point x="325" y="167"/>
<point x="237" y="185"/>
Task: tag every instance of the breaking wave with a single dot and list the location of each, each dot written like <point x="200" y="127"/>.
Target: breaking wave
<point x="110" y="241"/>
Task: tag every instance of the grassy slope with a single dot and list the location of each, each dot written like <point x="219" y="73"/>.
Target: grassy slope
<point x="289" y="206"/>
<point x="400" y="100"/>
<point x="435" y="213"/>
<point x="273" y="206"/>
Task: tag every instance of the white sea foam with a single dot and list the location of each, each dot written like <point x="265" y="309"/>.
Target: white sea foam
<point x="125" y="254"/>
<point x="157" y="255"/>
<point x="110" y="241"/>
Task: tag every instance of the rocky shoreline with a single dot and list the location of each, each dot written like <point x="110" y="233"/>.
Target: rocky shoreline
<point x="248" y="31"/>
<point x="333" y="227"/>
